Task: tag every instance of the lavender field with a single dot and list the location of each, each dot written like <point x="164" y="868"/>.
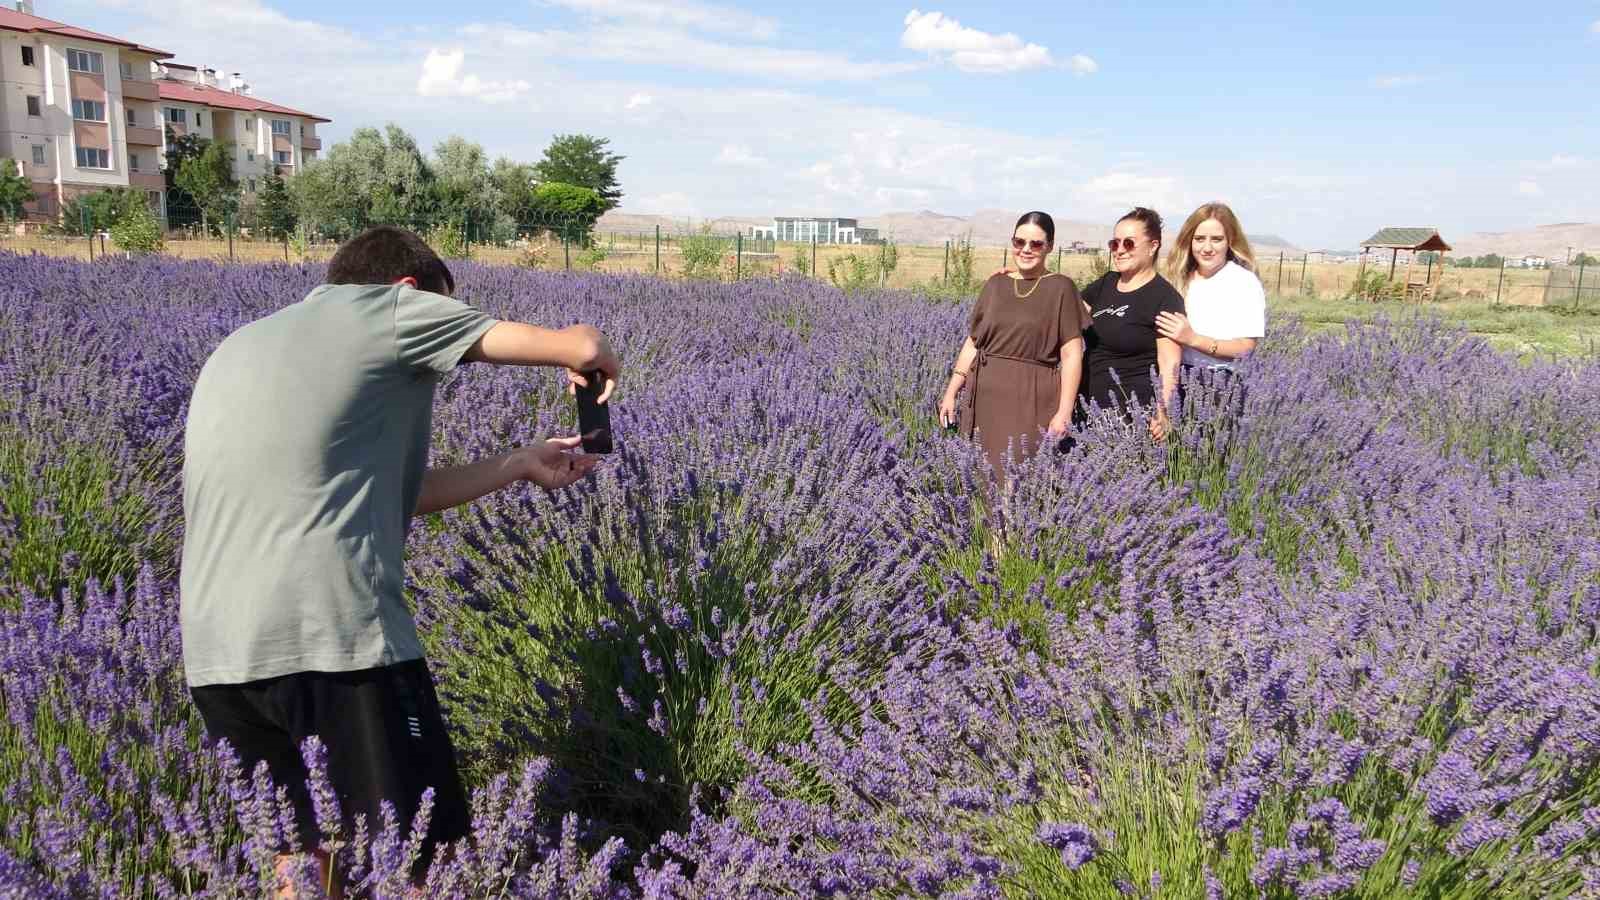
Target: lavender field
<point x="787" y="643"/>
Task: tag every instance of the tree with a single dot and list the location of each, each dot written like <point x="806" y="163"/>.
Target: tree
<point x="208" y="180"/>
<point x="275" y="208"/>
<point x="567" y="209"/>
<point x="90" y="213"/>
<point x="182" y="209"/>
<point x="373" y="178"/>
<point x="514" y="184"/>
<point x="15" y="190"/>
<point x="136" y="229"/>
<point x="582" y="160"/>
<point x="1584" y="259"/>
<point x="1490" y="261"/>
<point x="464" y="186"/>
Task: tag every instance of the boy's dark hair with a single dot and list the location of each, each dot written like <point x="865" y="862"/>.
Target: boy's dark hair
<point x="385" y="254"/>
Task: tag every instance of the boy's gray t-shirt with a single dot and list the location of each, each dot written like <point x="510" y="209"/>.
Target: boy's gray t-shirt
<point x="304" y="451"/>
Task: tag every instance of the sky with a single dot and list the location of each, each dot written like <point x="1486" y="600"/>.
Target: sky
<point x="1317" y="122"/>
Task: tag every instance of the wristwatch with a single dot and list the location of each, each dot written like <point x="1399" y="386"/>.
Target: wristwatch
<point x="1213" y="347"/>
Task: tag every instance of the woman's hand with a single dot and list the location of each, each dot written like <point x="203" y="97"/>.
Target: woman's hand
<point x="1003" y="270"/>
<point x="947" y="410"/>
<point x="1160" y="426"/>
<point x="1060" y="423"/>
<point x="1175" y="327"/>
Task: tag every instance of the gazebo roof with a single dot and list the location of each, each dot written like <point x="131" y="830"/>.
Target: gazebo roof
<point x="1407" y="239"/>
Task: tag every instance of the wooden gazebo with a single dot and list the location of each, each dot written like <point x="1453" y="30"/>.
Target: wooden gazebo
<point x="1415" y="240"/>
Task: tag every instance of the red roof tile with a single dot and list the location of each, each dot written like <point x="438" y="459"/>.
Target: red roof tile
<point x="11" y="20"/>
<point x="210" y="96"/>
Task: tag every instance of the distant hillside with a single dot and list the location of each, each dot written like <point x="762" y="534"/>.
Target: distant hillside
<point x="988" y="227"/>
<point x="1549" y="241"/>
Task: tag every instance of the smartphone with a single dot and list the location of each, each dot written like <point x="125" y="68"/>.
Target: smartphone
<point x="594" y="418"/>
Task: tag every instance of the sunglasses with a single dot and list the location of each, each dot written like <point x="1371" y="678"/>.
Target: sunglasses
<point x="1019" y="243"/>
<point x="1127" y="245"/>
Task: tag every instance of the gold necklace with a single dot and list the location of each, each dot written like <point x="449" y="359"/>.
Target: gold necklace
<point x="1018" y="291"/>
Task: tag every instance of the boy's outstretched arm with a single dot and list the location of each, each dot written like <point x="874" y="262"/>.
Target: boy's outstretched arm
<point x="579" y="349"/>
<point x="552" y="465"/>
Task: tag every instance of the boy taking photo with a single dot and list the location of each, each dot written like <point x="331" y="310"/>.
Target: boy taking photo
<point x="305" y="458"/>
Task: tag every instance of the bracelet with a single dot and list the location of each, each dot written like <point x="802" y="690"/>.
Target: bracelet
<point x="958" y="372"/>
<point x="1213" y="347"/>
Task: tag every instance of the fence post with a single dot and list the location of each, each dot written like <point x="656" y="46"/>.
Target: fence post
<point x="286" y="246"/>
<point x="1501" y="282"/>
<point x="658" y="249"/>
<point x="566" y="249"/>
<point x="738" y="256"/>
<point x="1577" y="293"/>
<point x="813" y="256"/>
<point x="1304" y="261"/>
<point x="947" y="261"/>
<point x="227" y="222"/>
<point x="1058" y="261"/>
<point x="83" y="216"/>
<point x="1280" y="273"/>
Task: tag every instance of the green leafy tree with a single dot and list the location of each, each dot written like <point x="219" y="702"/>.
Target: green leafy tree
<point x="15" y="190"/>
<point x="567" y="209"/>
<point x="136" y="229"/>
<point x="463" y="185"/>
<point x="96" y="212"/>
<point x="514" y="185"/>
<point x="182" y="209"/>
<point x="1490" y="261"/>
<point x="208" y="180"/>
<point x="1584" y="259"/>
<point x="275" y="212"/>
<point x="583" y="160"/>
<point x="375" y="177"/>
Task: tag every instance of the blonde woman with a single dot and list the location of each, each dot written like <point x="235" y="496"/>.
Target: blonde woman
<point x="1225" y="306"/>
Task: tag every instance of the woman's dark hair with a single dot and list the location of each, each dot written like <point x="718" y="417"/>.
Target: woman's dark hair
<point x="1040" y="219"/>
<point x="384" y="255"/>
<point x="1149" y="218"/>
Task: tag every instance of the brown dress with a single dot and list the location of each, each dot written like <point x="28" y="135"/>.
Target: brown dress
<point x="1014" y="386"/>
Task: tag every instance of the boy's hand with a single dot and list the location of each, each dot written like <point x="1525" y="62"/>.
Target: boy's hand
<point x="597" y="357"/>
<point x="552" y="466"/>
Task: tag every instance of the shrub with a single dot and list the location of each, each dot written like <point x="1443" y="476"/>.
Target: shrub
<point x="702" y="253"/>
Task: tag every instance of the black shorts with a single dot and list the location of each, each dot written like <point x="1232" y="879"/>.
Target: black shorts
<point x="385" y="738"/>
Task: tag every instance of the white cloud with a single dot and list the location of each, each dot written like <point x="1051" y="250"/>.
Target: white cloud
<point x="969" y="49"/>
<point x="1083" y="65"/>
<point x="738" y="155"/>
<point x="647" y="45"/>
<point x="1529" y="188"/>
<point x="1595" y="27"/>
<point x="1398" y="81"/>
<point x="441" y="77"/>
<point x="638" y="101"/>
<point x="680" y="14"/>
<point x="1561" y="161"/>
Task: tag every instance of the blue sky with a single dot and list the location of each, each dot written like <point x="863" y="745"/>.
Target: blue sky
<point x="1319" y="123"/>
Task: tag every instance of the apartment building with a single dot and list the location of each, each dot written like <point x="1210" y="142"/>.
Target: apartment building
<point x="821" y="230"/>
<point x="78" y="109"/>
<point x="259" y="135"/>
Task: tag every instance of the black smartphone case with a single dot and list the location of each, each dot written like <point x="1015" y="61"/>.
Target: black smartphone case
<point x="594" y="419"/>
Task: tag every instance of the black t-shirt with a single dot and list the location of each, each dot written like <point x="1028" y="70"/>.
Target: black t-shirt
<point x="1123" y="337"/>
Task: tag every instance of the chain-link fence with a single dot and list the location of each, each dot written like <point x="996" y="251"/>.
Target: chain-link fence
<point x="1573" y="286"/>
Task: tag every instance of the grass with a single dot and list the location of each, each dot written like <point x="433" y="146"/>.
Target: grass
<point x="1528" y="332"/>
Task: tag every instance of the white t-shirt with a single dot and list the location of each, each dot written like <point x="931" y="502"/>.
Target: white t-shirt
<point x="1230" y="304"/>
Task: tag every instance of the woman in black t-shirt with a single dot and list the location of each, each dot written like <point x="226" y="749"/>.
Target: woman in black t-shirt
<point x="1123" y="343"/>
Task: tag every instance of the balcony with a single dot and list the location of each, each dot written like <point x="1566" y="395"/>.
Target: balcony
<point x="150" y="181"/>
<point x="140" y="90"/>
<point x="308" y="142"/>
<point x="144" y="137"/>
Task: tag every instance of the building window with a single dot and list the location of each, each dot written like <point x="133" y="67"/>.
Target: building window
<point x="252" y="185"/>
<point x="197" y="122"/>
<point x="280" y="126"/>
<point x="133" y="162"/>
<point x="33" y="107"/>
<point x="84" y="61"/>
<point x="27" y="56"/>
<point x="88" y="110"/>
<point x="94" y="158"/>
<point x="249" y="156"/>
<point x="133" y="116"/>
<point x="127" y="71"/>
<point x="177" y="116"/>
<point x="250" y="123"/>
<point x="281" y="157"/>
<point x="38" y="154"/>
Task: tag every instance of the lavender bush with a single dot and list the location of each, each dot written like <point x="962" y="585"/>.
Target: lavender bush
<point x="790" y="643"/>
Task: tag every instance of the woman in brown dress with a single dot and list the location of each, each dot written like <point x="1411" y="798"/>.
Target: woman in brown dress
<point x="1023" y="357"/>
